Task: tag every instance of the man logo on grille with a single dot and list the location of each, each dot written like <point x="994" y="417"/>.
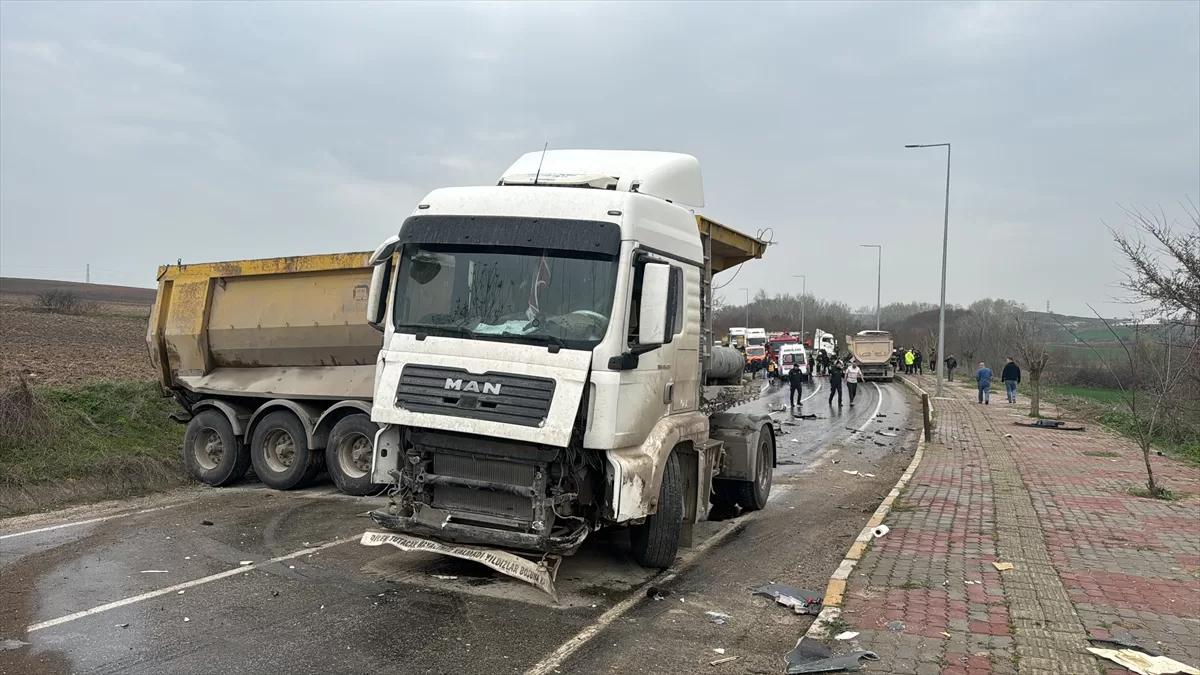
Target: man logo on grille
<point x="471" y="385"/>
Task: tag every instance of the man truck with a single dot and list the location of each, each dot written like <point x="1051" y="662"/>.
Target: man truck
<point x="546" y="366"/>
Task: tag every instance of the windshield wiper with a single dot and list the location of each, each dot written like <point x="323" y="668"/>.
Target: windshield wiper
<point x="554" y="340"/>
<point x="422" y="329"/>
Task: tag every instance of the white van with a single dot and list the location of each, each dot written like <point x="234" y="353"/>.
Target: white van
<point x="790" y="353"/>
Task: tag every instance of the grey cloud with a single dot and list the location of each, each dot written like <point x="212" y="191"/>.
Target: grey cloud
<point x="137" y="133"/>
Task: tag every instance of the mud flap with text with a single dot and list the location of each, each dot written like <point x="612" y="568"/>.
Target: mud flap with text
<point x="540" y="574"/>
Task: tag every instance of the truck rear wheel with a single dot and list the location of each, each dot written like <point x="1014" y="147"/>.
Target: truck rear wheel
<point x="752" y="495"/>
<point x="211" y="451"/>
<point x="280" y="454"/>
<point x="656" y="542"/>
<point x="348" y="455"/>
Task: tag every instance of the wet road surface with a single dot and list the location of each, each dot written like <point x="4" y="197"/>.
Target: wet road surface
<point x="250" y="580"/>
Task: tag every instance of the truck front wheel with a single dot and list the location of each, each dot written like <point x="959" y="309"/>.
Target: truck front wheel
<point x="348" y="455"/>
<point x="280" y="454"/>
<point x="656" y="542"/>
<point x="211" y="451"/>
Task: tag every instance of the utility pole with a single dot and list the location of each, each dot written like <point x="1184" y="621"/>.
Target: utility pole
<point x="88" y="274"/>
<point x="803" y="292"/>
<point x="878" y="279"/>
<point x="945" y="246"/>
<point x="747" y="326"/>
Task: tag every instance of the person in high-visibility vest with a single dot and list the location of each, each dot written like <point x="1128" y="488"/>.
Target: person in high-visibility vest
<point x="908" y="361"/>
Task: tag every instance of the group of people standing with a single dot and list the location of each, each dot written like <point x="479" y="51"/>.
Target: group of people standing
<point x="837" y="370"/>
<point x="910" y="361"/>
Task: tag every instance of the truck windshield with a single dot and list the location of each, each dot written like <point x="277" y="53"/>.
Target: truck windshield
<point x="505" y="293"/>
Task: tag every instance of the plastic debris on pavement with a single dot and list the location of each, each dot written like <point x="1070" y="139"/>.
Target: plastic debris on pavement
<point x="720" y="651"/>
<point x="880" y="531"/>
<point x="1142" y="663"/>
<point x="9" y="645"/>
<point x="810" y="656"/>
<point x="1002" y="566"/>
<point x="717" y="618"/>
<point x="718" y="662"/>
<point x="800" y="600"/>
<point x="852" y="473"/>
<point x="848" y="635"/>
<point x="895" y="625"/>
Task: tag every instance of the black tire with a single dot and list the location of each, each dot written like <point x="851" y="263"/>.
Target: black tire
<point x="656" y="542"/>
<point x="347" y="459"/>
<point x="280" y="454"/>
<point x="752" y="495"/>
<point x="211" y="451"/>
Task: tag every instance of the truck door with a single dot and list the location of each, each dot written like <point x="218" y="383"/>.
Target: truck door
<point x="648" y="389"/>
<point x="685" y="383"/>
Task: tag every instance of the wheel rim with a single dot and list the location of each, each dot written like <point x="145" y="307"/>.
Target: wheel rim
<point x="279" y="450"/>
<point x="764" y="465"/>
<point x="354" y="455"/>
<point x="208" y="449"/>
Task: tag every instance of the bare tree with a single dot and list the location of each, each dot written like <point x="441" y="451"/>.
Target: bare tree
<point x="1164" y="263"/>
<point x="1029" y="339"/>
<point x="1148" y="392"/>
<point x="58" y="301"/>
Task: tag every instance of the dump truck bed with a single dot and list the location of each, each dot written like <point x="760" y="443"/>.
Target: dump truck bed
<point x="275" y="327"/>
<point x="730" y="248"/>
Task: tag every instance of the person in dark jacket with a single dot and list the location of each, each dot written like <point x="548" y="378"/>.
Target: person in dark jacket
<point x="812" y="362"/>
<point x="1011" y="376"/>
<point x="951" y="364"/>
<point x="918" y="357"/>
<point x="796" y="382"/>
<point x="835" y="382"/>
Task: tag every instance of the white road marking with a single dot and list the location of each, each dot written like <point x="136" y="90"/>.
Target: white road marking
<point x="878" y="405"/>
<point x="89" y="521"/>
<point x="179" y="587"/>
<point x="555" y="660"/>
<point x="812" y="394"/>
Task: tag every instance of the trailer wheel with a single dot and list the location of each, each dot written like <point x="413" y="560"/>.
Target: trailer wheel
<point x="211" y="451"/>
<point x="656" y="542"/>
<point x="280" y="454"/>
<point x="752" y="495"/>
<point x="348" y="455"/>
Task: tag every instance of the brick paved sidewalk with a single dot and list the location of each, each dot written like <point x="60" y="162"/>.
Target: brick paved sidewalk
<point x="1089" y="559"/>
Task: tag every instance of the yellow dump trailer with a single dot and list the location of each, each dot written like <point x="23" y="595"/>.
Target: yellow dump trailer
<point x="273" y="361"/>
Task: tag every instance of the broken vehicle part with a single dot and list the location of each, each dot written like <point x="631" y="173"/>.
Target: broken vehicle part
<point x="717" y="618"/>
<point x="1051" y="424"/>
<point x="800" y="600"/>
<point x="810" y="656"/>
<point x="540" y="574"/>
<point x="1144" y="664"/>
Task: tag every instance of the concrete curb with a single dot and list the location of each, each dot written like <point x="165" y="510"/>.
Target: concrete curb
<point x="835" y="590"/>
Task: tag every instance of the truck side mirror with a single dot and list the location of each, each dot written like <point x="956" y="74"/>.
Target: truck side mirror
<point x="657" y="312"/>
<point x="381" y="276"/>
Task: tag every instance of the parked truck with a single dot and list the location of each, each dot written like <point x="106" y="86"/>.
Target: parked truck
<point x="873" y="351"/>
<point x="824" y="342"/>
<point x="548" y="366"/>
<point x="273" y="364"/>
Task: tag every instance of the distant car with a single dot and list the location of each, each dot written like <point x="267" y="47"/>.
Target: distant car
<point x="756" y="357"/>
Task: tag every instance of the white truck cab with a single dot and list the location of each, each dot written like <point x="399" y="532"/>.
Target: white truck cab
<point x="546" y="345"/>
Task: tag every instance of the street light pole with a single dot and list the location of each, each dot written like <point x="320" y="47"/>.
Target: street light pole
<point x="945" y="240"/>
<point x="878" y="279"/>
<point x="747" y="326"/>
<point x="803" y="292"/>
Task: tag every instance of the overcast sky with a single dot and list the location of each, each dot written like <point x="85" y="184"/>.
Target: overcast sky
<point x="133" y="134"/>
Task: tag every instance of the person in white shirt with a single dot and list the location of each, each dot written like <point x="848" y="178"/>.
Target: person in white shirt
<point x="853" y="375"/>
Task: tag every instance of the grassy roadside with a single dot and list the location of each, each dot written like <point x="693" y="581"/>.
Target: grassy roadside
<point x="1105" y="407"/>
<point x="87" y="442"/>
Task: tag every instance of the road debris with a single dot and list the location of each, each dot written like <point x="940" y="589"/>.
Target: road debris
<point x="122" y="625"/>
<point x="185" y="619"/>
<point x="206" y="523"/>
<point x="889" y="434"/>
<point x="717" y="618"/>
<point x="1058" y="425"/>
<point x="848" y="635"/>
<point x="852" y="473"/>
<point x="800" y="600"/>
<point x="246" y="562"/>
<point x="1002" y="566"/>
<point x="720" y="651"/>
<point x="880" y="531"/>
<point x="1142" y="663"/>
<point x="895" y="625"/>
<point x="727" y="659"/>
<point x="655" y="593"/>
<point x="9" y="645"/>
<point x="444" y="577"/>
<point x="809" y="656"/>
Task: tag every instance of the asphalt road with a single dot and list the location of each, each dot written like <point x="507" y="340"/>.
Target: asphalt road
<point x="250" y="580"/>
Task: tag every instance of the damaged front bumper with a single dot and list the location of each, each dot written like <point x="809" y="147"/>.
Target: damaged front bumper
<point x="432" y="523"/>
<point x="541" y="574"/>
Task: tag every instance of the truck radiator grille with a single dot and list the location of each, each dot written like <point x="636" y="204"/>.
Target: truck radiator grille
<point x="494" y="397"/>
<point x="483" y="501"/>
